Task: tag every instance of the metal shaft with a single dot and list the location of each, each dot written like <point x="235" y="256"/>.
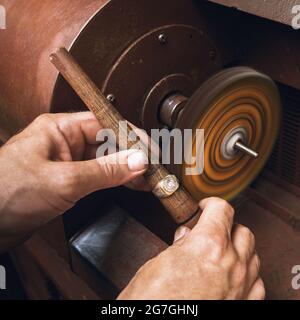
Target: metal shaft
<point x="174" y="104"/>
<point x="239" y="145"/>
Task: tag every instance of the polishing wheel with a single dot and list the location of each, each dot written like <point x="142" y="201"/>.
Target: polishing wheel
<point x="239" y="111"/>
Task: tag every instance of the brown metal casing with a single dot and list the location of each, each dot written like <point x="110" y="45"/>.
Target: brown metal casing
<point x="97" y="32"/>
<point x="34" y="29"/>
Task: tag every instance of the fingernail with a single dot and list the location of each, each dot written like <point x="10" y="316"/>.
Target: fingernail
<point x="137" y="161"/>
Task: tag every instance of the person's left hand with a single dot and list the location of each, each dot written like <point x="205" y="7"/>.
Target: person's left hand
<point x="47" y="168"/>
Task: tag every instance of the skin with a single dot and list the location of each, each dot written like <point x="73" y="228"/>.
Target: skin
<point x="213" y="261"/>
<point x="52" y="164"/>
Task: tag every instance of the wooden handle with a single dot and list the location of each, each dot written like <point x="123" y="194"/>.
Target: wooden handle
<point x="181" y="206"/>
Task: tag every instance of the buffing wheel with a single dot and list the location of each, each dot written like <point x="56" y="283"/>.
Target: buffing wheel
<point x="237" y="104"/>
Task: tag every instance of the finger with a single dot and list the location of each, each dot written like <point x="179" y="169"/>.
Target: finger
<point x="77" y="179"/>
<point x="216" y="218"/>
<point x="79" y="130"/>
<point x="71" y="124"/>
<point x="180" y="233"/>
<point x="253" y="271"/>
<point x="258" y="291"/>
<point x="86" y="122"/>
<point x="69" y="133"/>
<point x="90" y="152"/>
<point x="243" y="242"/>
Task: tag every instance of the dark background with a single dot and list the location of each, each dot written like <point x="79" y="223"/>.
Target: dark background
<point x="14" y="287"/>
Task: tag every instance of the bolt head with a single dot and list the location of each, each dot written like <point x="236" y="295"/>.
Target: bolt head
<point x="162" y="38"/>
<point x="111" y="98"/>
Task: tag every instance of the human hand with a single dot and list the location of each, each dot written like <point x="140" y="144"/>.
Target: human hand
<point x="214" y="260"/>
<point x="47" y="168"/>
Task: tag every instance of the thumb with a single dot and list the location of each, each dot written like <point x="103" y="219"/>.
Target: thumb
<point x="85" y="177"/>
<point x="180" y="233"/>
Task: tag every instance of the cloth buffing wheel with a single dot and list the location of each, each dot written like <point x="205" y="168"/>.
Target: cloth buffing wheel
<point x="235" y="101"/>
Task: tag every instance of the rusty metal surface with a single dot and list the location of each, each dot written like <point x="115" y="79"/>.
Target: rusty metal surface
<point x="276" y="10"/>
<point x="34" y="29"/>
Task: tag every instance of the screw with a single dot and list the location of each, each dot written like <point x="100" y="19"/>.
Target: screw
<point x="162" y="38"/>
<point x="111" y="98"/>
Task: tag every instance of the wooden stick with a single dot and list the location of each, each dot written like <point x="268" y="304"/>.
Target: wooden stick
<point x="181" y="206"/>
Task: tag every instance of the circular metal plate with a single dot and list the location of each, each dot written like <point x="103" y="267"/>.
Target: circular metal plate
<point x="173" y="58"/>
<point x="236" y="98"/>
<point x="119" y="48"/>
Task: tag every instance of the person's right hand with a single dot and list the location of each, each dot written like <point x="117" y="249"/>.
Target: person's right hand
<point x="215" y="260"/>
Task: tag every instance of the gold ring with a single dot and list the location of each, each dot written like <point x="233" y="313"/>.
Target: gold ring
<point x="166" y="187"/>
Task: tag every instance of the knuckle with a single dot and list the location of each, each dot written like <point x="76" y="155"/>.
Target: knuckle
<point x="223" y="205"/>
<point x="247" y="235"/>
<point x="44" y="118"/>
<point x="228" y="208"/>
<point x="45" y="121"/>
<point x="214" y="248"/>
